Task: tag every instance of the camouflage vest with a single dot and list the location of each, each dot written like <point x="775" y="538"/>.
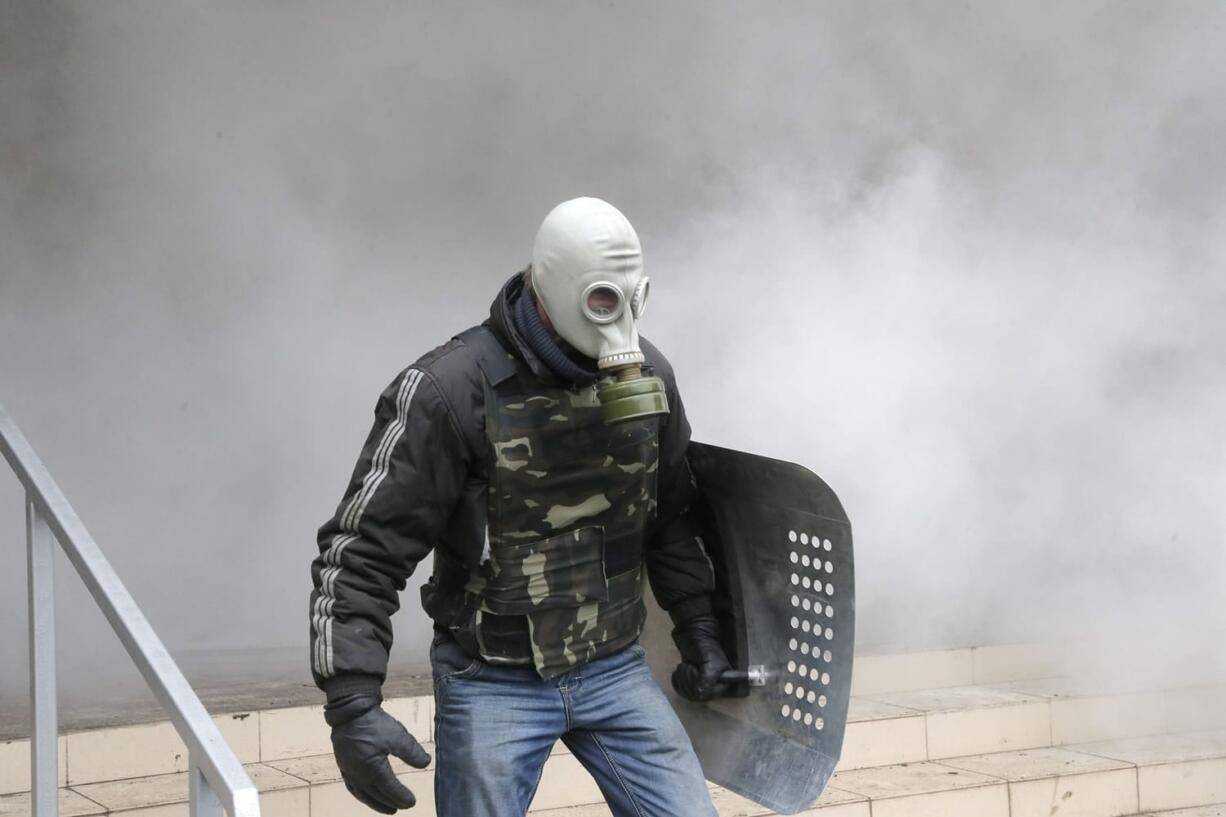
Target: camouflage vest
<point x="569" y="501"/>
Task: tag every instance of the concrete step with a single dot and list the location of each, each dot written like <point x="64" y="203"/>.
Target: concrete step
<point x="885" y="729"/>
<point x="142" y="750"/>
<point x="984" y="703"/>
<point x="1103" y="779"/>
<point x="1173" y="771"/>
<point x="141" y="747"/>
<point x="904" y="727"/>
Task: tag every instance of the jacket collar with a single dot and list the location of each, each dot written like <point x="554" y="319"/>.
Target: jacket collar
<point x="500" y="321"/>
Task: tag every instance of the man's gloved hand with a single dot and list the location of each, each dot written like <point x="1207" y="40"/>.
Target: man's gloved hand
<point x="703" y="659"/>
<point x="362" y="744"/>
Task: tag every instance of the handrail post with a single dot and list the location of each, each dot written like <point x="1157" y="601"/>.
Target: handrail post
<point x="218" y="779"/>
<point x="203" y="801"/>
<point x="44" y="756"/>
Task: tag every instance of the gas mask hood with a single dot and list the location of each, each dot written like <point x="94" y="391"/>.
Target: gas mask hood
<point x="587" y="273"/>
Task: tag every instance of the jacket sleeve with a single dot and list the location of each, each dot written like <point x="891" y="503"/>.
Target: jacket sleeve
<point x="406" y="483"/>
<point x="678" y="568"/>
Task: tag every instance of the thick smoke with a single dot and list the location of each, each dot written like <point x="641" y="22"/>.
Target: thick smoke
<point x="964" y="261"/>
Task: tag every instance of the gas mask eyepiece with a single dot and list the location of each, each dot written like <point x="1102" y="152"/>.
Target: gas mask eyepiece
<point x="587" y="273"/>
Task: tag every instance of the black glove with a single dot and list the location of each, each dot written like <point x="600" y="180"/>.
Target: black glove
<point x="362" y="744"/>
<point x="703" y="659"/>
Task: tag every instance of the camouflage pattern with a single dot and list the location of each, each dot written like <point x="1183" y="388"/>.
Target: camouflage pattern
<point x="570" y="498"/>
<point x="566" y="570"/>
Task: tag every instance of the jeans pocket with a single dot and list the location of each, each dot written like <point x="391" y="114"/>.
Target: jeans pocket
<point x="449" y="662"/>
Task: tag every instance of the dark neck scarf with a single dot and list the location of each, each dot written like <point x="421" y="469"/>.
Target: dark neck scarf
<point x="529" y="325"/>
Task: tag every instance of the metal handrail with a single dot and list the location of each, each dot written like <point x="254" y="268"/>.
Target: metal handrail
<point x="217" y="779"/>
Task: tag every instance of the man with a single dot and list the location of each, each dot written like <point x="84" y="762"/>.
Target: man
<point x="542" y="457"/>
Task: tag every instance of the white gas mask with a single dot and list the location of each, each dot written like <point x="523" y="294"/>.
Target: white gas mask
<point x="587" y="273"/>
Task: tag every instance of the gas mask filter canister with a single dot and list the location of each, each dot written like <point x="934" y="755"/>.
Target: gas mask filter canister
<point x="587" y="273"/>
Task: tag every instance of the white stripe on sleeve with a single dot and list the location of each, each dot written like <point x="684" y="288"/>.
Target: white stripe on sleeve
<point x="350" y="521"/>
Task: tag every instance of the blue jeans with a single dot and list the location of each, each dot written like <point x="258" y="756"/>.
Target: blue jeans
<point x="495" y="725"/>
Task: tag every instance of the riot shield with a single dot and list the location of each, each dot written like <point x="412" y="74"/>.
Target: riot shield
<point x="780" y="544"/>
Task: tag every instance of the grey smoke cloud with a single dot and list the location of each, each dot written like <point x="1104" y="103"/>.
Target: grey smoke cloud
<point x="963" y="261"/>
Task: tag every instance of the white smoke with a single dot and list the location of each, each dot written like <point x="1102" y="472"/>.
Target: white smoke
<point x="965" y="263"/>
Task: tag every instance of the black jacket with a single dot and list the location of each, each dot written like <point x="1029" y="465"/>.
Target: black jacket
<point x="420" y="483"/>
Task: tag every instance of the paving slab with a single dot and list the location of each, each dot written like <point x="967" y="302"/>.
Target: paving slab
<point x="908" y="779"/>
<point x="954" y="699"/>
<point x="867" y="709"/>
<point x="71" y="805"/>
<point x="334" y="800"/>
<point x="1173" y="771"/>
<point x="1033" y="764"/>
<point x="1069" y="687"/>
<point x="926" y="790"/>
<point x="838" y="803"/>
<point x="165" y="789"/>
<point x="1086" y="710"/>
<point x="566" y="783"/>
<point x="1050" y="781"/>
<point x="881" y="734"/>
<point x="319" y="769"/>
<point x="1182" y="785"/>
<point x="126" y="751"/>
<point x="593" y="810"/>
<point x="730" y="804"/>
<point x="15" y="764"/>
<point x="977" y="720"/>
<point x="1160" y="749"/>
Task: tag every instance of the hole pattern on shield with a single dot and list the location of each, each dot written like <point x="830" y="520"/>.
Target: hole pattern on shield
<point x="811" y="579"/>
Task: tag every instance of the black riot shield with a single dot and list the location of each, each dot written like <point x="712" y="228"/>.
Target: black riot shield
<point x="780" y="544"/>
